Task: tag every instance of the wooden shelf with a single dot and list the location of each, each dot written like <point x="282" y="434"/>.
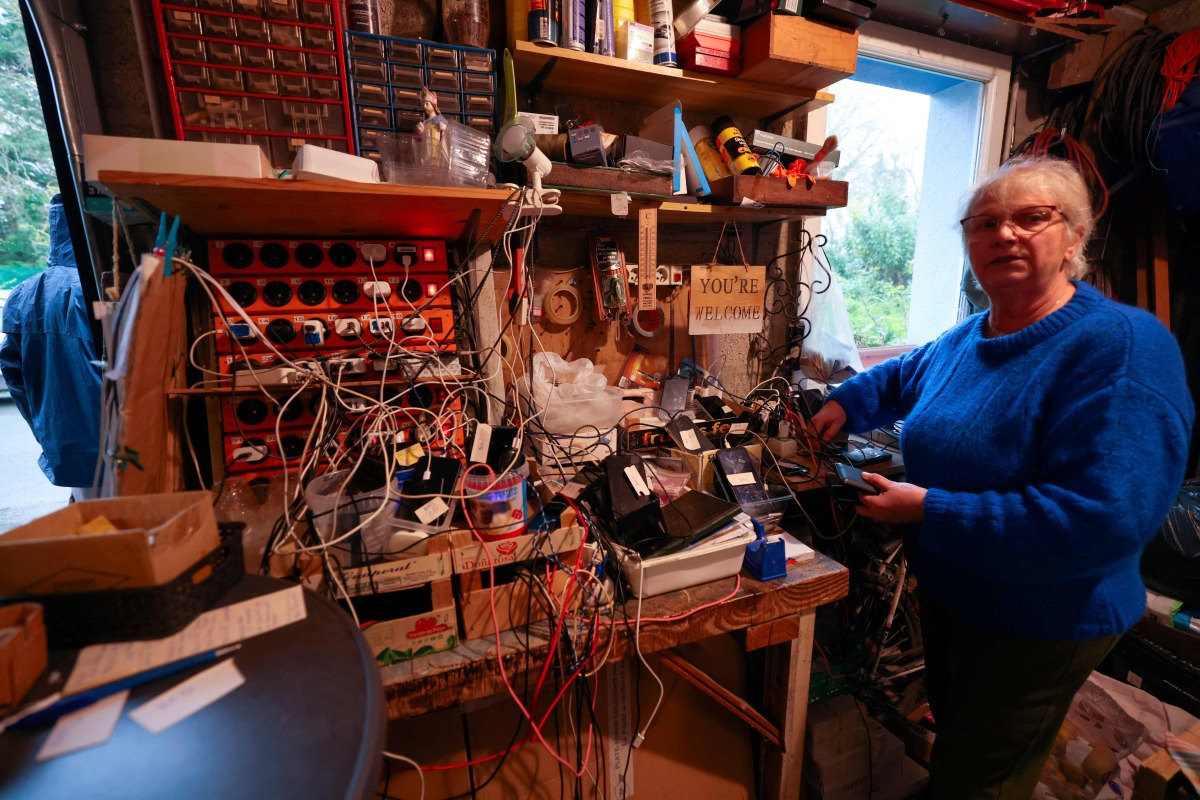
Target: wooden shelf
<point x="598" y="204"/>
<point x="587" y="75"/>
<point x="226" y="391"/>
<point x="257" y="206"/>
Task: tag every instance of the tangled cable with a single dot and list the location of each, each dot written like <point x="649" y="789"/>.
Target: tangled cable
<point x="1127" y="96"/>
<point x="1058" y="143"/>
<point x="1179" y="66"/>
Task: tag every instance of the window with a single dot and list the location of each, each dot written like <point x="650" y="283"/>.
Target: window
<point x="919" y="121"/>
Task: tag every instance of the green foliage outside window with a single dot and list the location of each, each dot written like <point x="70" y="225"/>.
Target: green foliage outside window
<point x="27" y="179"/>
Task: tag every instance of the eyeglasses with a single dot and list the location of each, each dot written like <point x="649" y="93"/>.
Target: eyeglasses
<point x="1033" y="219"/>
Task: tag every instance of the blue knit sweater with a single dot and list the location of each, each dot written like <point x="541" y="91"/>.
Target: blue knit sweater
<point x="1051" y="457"/>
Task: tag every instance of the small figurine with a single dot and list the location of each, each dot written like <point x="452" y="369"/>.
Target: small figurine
<point x="434" y="122"/>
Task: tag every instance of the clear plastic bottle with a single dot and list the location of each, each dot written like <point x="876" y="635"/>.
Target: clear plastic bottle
<point x="466" y="22"/>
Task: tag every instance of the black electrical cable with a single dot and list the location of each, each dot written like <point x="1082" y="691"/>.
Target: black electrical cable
<point x="1127" y="94"/>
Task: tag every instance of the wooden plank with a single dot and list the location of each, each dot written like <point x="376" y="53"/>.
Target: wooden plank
<point x="777" y="631"/>
<point x="608" y="179"/>
<point x="254" y="206"/>
<point x="725" y="698"/>
<point x="769" y="191"/>
<point x="796" y="51"/>
<point x="469" y="672"/>
<point x="786" y="689"/>
<point x="597" y="204"/>
<point x="588" y="75"/>
<point x="1161" y="278"/>
<point x="1032" y="22"/>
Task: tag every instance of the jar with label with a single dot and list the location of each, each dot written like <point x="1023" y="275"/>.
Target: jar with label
<point x="466" y="22"/>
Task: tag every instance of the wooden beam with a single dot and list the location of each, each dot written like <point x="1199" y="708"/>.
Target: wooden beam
<point x="705" y="683"/>
<point x="786" y="689"/>
<point x="777" y="631"/>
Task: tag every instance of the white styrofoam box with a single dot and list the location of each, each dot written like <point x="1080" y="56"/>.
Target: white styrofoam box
<point x="700" y="564"/>
<point x="131" y="154"/>
<point x="313" y="163"/>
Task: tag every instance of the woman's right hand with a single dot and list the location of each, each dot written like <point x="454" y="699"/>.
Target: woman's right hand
<point x="827" y="422"/>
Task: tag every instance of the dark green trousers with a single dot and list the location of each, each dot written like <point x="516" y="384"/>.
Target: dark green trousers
<point x="998" y="702"/>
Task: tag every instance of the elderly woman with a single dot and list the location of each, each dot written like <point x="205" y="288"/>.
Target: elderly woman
<point x="1044" y="441"/>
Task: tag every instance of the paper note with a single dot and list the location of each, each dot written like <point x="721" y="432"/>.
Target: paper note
<point x="738" y="428"/>
<point x="432" y="510"/>
<point x="483" y="441"/>
<point x="741" y="479"/>
<point x="636" y="480"/>
<point x="100" y="663"/>
<point x="86" y="727"/>
<point x="795" y="550"/>
<point x="689" y="440"/>
<point x="197" y="692"/>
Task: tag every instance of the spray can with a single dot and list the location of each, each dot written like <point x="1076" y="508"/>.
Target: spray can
<point x="604" y="34"/>
<point x="734" y="150"/>
<point x="363" y="15"/>
<point x="662" y="19"/>
<point x="573" y="35"/>
<point x="543" y="26"/>
<point x="706" y="153"/>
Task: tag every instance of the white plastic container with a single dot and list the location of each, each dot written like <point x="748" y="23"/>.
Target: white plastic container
<point x="701" y="564"/>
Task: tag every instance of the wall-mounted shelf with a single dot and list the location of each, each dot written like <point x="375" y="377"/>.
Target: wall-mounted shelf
<point x="598" y="204"/>
<point x="254" y="206"/>
<point x="557" y="69"/>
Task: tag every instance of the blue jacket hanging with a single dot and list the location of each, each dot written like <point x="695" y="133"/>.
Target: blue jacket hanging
<point x="46" y="357"/>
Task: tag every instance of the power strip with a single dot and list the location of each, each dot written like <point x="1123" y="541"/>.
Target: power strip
<point x="664" y="275"/>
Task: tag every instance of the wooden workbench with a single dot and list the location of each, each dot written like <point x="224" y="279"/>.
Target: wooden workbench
<point x="777" y="615"/>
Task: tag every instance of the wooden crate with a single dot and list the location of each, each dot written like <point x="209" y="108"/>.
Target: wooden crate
<point x="514" y="607"/>
<point x="422" y="585"/>
<point x="701" y="466"/>
<point x="767" y="191"/>
<point x="796" y="51"/>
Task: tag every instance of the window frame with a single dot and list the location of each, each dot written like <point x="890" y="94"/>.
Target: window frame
<point x="908" y="48"/>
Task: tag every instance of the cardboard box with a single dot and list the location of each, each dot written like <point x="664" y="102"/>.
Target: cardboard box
<point x="131" y="154"/>
<point x="795" y="51"/>
<point x="1159" y="772"/>
<point x="159" y="537"/>
<point x="23" y="651"/>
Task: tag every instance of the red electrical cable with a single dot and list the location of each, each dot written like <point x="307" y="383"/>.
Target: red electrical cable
<point x="1179" y="66"/>
<point x="1060" y="144"/>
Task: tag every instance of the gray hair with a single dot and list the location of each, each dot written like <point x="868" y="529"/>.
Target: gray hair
<point x="1053" y="175"/>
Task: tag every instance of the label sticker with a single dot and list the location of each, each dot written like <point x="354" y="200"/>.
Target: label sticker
<point x="636" y="480"/>
<point x="689" y="440"/>
<point x="483" y="440"/>
<point x="738" y="428"/>
<point x="741" y="479"/>
<point x="432" y="510"/>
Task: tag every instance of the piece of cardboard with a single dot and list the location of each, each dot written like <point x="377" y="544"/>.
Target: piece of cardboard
<point x="418" y="634"/>
<point x="471" y="555"/>
<point x="23" y="652"/>
<point x="158" y="537"/>
<point x="131" y="154"/>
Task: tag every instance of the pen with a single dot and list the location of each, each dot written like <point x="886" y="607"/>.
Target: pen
<point x="55" y="706"/>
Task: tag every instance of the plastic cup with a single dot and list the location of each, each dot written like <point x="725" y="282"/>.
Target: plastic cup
<point x="498" y="512"/>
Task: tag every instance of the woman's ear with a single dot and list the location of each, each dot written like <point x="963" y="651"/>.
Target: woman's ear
<point x="1073" y="248"/>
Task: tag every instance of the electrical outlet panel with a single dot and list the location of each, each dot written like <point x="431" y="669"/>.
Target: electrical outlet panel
<point x="664" y="275"/>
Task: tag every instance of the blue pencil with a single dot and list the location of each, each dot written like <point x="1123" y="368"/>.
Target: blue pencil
<point x="41" y="713"/>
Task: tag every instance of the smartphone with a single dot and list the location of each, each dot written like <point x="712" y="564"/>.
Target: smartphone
<point x="853" y="477"/>
<point x="865" y="456"/>
<point x="790" y="469"/>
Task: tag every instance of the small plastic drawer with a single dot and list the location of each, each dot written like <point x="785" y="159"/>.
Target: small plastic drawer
<point x="186" y="49"/>
<point x="441" y="57"/>
<point x="442" y="80"/>
<point x="229" y="80"/>
<point x="371" y="154"/>
<point x="254" y="30"/>
<point x="325" y="89"/>
<point x="477" y="61"/>
<point x="216" y="137"/>
<point x="293" y="85"/>
<point x="200" y="109"/>
<point x="317" y="119"/>
<point x="479" y="82"/>
<point x="407" y="119"/>
<point x="224" y="54"/>
<point x="284" y="148"/>
<point x="450" y="102"/>
<point x="253" y="8"/>
<point x="407" y="75"/>
<point x="480" y="104"/>
<point x="218" y="27"/>
<point x="285" y="35"/>
<point x="481" y="123"/>
<point x="281" y="9"/>
<point x="182" y="22"/>
<point x="362" y="47"/>
<point x="322" y="63"/>
<point x="194" y="77"/>
<point x="188" y="3"/>
<point x="262" y="83"/>
<point x="406" y="97"/>
<point x="319" y="39"/>
<point x="369" y="137"/>
<point x="405" y="52"/>
<point x="316" y="13"/>
<point x="258" y="57"/>
<point x="371" y="94"/>
<point x="366" y="70"/>
<point x="215" y="5"/>
<point x="371" y="117"/>
<point x="289" y="61"/>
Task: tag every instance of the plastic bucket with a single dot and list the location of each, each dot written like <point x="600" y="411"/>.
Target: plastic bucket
<point x="498" y="512"/>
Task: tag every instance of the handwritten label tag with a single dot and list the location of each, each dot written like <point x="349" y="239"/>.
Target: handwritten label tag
<point x="636" y="480"/>
<point x="197" y="692"/>
<point x="432" y="510"/>
<point x="738" y="428"/>
<point x="410" y="455"/>
<point x="483" y="440"/>
<point x="571" y="491"/>
<point x="741" y="479"/>
<point x="87" y="727"/>
<point x="689" y="440"/>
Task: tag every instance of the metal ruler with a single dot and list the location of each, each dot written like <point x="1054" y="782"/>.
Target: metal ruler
<point x="647" y="258"/>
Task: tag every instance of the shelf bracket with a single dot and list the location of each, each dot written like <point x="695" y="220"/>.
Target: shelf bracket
<point x="780" y="114"/>
<point x="534" y="87"/>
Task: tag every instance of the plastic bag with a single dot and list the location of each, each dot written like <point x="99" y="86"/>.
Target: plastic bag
<point x="829" y="348"/>
<point x="571" y="395"/>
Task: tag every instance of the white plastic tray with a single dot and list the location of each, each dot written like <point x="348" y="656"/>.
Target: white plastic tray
<point x="668" y="573"/>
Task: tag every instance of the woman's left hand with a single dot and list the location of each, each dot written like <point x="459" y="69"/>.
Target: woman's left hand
<point x="896" y="502"/>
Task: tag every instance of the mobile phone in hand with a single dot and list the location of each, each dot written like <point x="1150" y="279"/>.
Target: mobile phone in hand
<point x="853" y="477"/>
